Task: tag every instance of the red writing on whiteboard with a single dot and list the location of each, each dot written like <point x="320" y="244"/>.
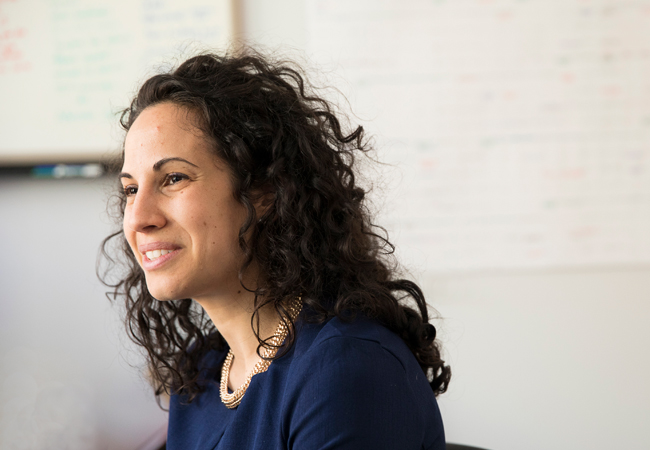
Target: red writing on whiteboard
<point x="16" y="33"/>
<point x="9" y="52"/>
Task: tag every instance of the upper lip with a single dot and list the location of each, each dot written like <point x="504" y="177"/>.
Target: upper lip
<point x="144" y="248"/>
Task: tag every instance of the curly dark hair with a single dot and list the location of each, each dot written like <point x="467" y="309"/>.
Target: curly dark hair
<point x="315" y="239"/>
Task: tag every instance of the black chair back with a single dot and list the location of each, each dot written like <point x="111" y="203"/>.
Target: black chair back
<point x="462" y="447"/>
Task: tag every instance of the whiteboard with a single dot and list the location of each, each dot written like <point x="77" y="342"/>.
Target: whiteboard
<point x="520" y="129"/>
<point x="68" y="66"/>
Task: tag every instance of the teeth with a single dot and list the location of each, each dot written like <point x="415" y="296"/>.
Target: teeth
<point x="154" y="254"/>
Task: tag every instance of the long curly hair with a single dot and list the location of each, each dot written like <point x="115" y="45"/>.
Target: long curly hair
<point x="315" y="238"/>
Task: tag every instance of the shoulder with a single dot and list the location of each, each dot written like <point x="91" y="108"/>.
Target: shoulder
<point x="364" y="352"/>
<point x="358" y="382"/>
<point x="351" y="343"/>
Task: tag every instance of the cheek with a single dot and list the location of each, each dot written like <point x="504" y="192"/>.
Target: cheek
<point x="222" y="234"/>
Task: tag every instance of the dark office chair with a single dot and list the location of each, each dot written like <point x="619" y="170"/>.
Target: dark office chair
<point x="462" y="447"/>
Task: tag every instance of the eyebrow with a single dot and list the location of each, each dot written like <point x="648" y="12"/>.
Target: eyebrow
<point x="159" y="164"/>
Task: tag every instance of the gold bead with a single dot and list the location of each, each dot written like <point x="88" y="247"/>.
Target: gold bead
<point x="233" y="400"/>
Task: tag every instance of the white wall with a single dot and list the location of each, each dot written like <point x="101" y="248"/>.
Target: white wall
<point x="280" y="24"/>
<point x="541" y="359"/>
<point x="547" y="359"/>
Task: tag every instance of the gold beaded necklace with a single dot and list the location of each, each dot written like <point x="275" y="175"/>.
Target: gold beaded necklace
<point x="233" y="400"/>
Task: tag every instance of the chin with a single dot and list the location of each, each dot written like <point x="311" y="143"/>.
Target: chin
<point x="160" y="295"/>
<point x="162" y="298"/>
<point x="164" y="293"/>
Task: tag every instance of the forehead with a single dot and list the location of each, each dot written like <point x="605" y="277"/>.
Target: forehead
<point x="162" y="131"/>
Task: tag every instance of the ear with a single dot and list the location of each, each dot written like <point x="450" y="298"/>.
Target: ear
<point x="262" y="201"/>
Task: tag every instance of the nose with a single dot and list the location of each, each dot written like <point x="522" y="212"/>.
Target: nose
<point x="144" y="214"/>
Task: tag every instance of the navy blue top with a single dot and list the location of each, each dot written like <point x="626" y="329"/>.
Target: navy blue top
<point x="342" y="386"/>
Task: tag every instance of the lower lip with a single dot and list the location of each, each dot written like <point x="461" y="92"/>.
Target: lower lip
<point x="151" y="264"/>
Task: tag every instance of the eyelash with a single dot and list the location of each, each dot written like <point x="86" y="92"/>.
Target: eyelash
<point x="128" y="191"/>
<point x="169" y="176"/>
<point x="132" y="190"/>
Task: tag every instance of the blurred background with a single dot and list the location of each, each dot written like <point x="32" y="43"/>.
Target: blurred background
<point x="517" y="191"/>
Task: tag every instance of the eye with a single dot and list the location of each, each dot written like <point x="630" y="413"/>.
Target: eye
<point x="130" y="190"/>
<point x="174" y="178"/>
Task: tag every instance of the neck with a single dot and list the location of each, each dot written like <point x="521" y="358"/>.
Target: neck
<point x="232" y="317"/>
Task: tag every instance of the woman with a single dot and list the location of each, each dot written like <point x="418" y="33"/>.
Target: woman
<point x="267" y="303"/>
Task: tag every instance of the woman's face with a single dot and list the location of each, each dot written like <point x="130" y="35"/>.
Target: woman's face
<point x="181" y="219"/>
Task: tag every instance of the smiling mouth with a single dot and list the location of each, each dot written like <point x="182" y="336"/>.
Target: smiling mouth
<point x="155" y="259"/>
<point x="155" y="254"/>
